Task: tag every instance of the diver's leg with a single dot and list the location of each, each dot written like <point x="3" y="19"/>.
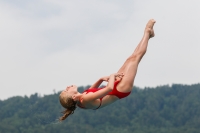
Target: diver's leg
<point x="131" y="64"/>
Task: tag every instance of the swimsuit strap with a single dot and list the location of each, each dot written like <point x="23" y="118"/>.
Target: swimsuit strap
<point x="100" y="103"/>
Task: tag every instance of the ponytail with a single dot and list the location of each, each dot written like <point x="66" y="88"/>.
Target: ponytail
<point x="66" y="113"/>
<point x="70" y="107"/>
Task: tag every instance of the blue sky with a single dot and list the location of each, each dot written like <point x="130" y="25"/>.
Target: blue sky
<point x="46" y="45"/>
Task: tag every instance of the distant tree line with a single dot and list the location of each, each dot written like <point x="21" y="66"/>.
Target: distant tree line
<point x="163" y="109"/>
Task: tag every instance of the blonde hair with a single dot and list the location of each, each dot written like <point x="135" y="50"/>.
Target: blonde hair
<point x="69" y="104"/>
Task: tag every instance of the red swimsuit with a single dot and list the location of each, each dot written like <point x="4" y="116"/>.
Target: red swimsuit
<point x="115" y="92"/>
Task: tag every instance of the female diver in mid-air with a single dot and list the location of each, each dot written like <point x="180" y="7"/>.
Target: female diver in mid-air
<point x="119" y="84"/>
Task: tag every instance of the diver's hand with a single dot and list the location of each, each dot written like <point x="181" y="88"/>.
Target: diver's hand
<point x="106" y="78"/>
<point x="120" y="75"/>
<point x="117" y="76"/>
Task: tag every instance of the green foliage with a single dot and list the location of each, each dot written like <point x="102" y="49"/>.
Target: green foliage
<point x="162" y="109"/>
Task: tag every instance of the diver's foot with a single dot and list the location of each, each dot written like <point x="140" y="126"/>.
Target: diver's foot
<point x="149" y="28"/>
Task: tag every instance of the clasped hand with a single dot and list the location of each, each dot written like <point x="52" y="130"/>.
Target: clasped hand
<point x="119" y="75"/>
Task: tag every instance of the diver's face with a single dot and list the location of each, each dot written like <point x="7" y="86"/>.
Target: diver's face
<point x="70" y="90"/>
